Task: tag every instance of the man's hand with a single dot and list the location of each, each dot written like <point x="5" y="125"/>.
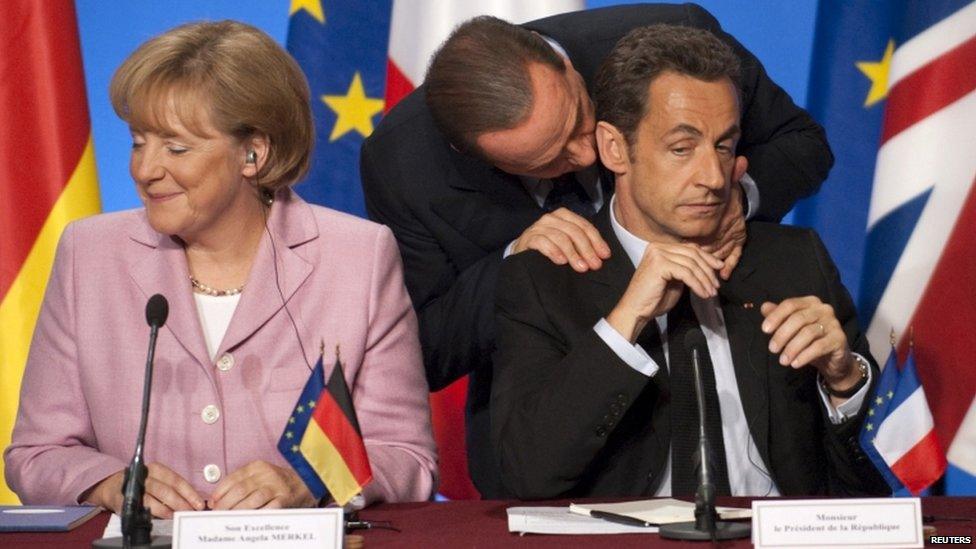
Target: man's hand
<point x="731" y="233"/>
<point x="564" y="236"/>
<point x="805" y="331"/>
<point x="261" y="485"/>
<point x="658" y="283"/>
<point x="166" y="492"/>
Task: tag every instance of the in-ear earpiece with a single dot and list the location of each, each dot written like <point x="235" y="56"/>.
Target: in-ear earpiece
<point x="252" y="157"/>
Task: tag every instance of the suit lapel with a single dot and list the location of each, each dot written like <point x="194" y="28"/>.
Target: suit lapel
<point x="161" y="269"/>
<point x="741" y="297"/>
<point x="278" y="271"/>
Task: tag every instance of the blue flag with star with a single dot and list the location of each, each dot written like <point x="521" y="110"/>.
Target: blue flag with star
<point x="880" y="402"/>
<point x="342" y="47"/>
<point x="853" y="46"/>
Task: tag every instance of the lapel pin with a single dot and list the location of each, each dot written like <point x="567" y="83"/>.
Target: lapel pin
<point x="748" y="305"/>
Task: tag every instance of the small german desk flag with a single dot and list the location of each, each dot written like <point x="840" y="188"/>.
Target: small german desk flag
<point x="322" y="440"/>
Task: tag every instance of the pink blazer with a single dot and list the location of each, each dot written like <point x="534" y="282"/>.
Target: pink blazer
<point x="339" y="277"/>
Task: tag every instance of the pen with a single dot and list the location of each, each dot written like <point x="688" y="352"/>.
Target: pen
<point x="620" y="519"/>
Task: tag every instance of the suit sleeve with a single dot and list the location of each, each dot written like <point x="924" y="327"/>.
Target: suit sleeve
<point x="850" y="472"/>
<point x="550" y="394"/>
<point x="390" y="391"/>
<point x="789" y="157"/>
<point x="53" y="457"/>
<point x="455" y="308"/>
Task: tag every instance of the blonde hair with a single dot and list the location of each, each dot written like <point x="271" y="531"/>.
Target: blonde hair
<point x="251" y="85"/>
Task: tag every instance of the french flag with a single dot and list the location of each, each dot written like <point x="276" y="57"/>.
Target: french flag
<point x="906" y="438"/>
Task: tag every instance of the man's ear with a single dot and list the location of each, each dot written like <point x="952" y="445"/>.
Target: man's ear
<point x="259" y="144"/>
<point x="739" y="170"/>
<point x="614" y="153"/>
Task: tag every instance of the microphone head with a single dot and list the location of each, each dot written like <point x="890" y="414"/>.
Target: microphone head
<point x="694" y="339"/>
<point x="157" y="310"/>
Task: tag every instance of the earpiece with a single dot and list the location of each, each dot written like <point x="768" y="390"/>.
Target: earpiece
<point x="252" y="157"/>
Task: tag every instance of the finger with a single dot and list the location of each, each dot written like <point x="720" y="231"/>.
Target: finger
<point x="567" y="237"/>
<point x="276" y="503"/>
<point x="799" y="343"/>
<point x="233" y="495"/>
<point x="777" y="313"/>
<point x="165" y="493"/>
<point x="816" y="349"/>
<point x="180" y="485"/>
<point x="157" y="508"/>
<point x="730" y="262"/>
<point x="599" y="245"/>
<point x="546" y="247"/>
<point x="789" y="328"/>
<point x="724" y="249"/>
<point x="702" y="261"/>
<point x="676" y="271"/>
<point x="257" y="499"/>
<point x="706" y="278"/>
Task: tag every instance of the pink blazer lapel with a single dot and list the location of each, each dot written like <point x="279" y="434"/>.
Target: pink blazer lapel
<point x="162" y="269"/>
<point x="278" y="271"/>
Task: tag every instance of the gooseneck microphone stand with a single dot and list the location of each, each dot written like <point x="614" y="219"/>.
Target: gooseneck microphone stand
<point x="706" y="525"/>
<point x="136" y="519"/>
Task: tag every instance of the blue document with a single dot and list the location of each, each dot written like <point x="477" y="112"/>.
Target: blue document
<point x="44" y="518"/>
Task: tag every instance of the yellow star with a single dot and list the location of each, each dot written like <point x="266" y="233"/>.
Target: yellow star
<point x="891" y="395"/>
<point x="870" y="411"/>
<point x="294" y="448"/>
<point x="311" y="404"/>
<point x="879" y="401"/>
<point x="878" y="73"/>
<point x="354" y="111"/>
<point x="869" y="427"/>
<point x="312" y="7"/>
<point x="291" y="420"/>
<point x="300" y="409"/>
<point x="288" y="434"/>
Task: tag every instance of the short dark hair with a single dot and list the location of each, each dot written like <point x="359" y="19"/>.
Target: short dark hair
<point x="478" y="81"/>
<point x="622" y="83"/>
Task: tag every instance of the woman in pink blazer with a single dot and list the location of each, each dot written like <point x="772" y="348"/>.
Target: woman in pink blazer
<point x="257" y="280"/>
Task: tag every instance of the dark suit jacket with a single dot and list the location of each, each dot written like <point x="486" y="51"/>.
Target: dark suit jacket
<point x="453" y="215"/>
<point x="570" y="418"/>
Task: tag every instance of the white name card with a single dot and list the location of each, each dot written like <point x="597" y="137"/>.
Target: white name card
<point x="838" y="523"/>
<point x="285" y="528"/>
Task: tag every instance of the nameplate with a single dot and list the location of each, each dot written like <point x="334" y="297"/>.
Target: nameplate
<point x="838" y="523"/>
<point x="285" y="528"/>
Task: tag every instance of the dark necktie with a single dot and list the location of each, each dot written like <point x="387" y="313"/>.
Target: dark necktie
<point x="568" y="193"/>
<point x="684" y="407"/>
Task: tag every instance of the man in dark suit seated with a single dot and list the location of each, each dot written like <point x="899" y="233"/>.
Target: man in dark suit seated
<point x="457" y="207"/>
<point x="592" y="392"/>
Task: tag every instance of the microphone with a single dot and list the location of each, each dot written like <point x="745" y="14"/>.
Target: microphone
<point x="706" y="525"/>
<point x="136" y="519"/>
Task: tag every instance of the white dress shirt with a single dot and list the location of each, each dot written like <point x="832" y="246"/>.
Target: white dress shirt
<point x="748" y="475"/>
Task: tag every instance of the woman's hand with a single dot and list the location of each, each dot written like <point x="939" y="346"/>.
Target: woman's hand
<point x="166" y="492"/>
<point x="260" y="484"/>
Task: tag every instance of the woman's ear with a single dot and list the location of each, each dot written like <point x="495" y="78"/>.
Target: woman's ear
<point x="256" y="150"/>
<point x="614" y="152"/>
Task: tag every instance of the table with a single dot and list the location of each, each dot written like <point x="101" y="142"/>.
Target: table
<point x="484" y="524"/>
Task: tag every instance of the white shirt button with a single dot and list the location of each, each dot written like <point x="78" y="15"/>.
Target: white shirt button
<point x="211" y="473"/>
<point x="210" y="414"/>
<point x="225" y="362"/>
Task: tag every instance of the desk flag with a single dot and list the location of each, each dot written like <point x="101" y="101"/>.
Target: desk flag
<point x="894" y="84"/>
<point x="47" y="173"/>
<point x="906" y="438"/>
<point x="322" y="440"/>
<point x="878" y="407"/>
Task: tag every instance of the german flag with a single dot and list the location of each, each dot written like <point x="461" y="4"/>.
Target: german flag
<point x="322" y="440"/>
<point x="47" y="173"/>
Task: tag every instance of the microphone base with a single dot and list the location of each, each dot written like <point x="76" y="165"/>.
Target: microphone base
<point x="723" y="530"/>
<point x="158" y="542"/>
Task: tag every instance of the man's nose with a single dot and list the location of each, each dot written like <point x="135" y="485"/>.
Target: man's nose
<point x="711" y="171"/>
<point x="581" y="151"/>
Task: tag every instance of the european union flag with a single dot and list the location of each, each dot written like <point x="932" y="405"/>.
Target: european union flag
<point x="342" y="47"/>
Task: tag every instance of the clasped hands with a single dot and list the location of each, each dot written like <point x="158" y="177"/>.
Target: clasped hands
<point x="257" y="485"/>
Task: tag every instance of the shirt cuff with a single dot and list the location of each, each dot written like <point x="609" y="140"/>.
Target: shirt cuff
<point x="849" y="407"/>
<point x="631" y="353"/>
<point x="752" y="195"/>
<point x="509" y="249"/>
